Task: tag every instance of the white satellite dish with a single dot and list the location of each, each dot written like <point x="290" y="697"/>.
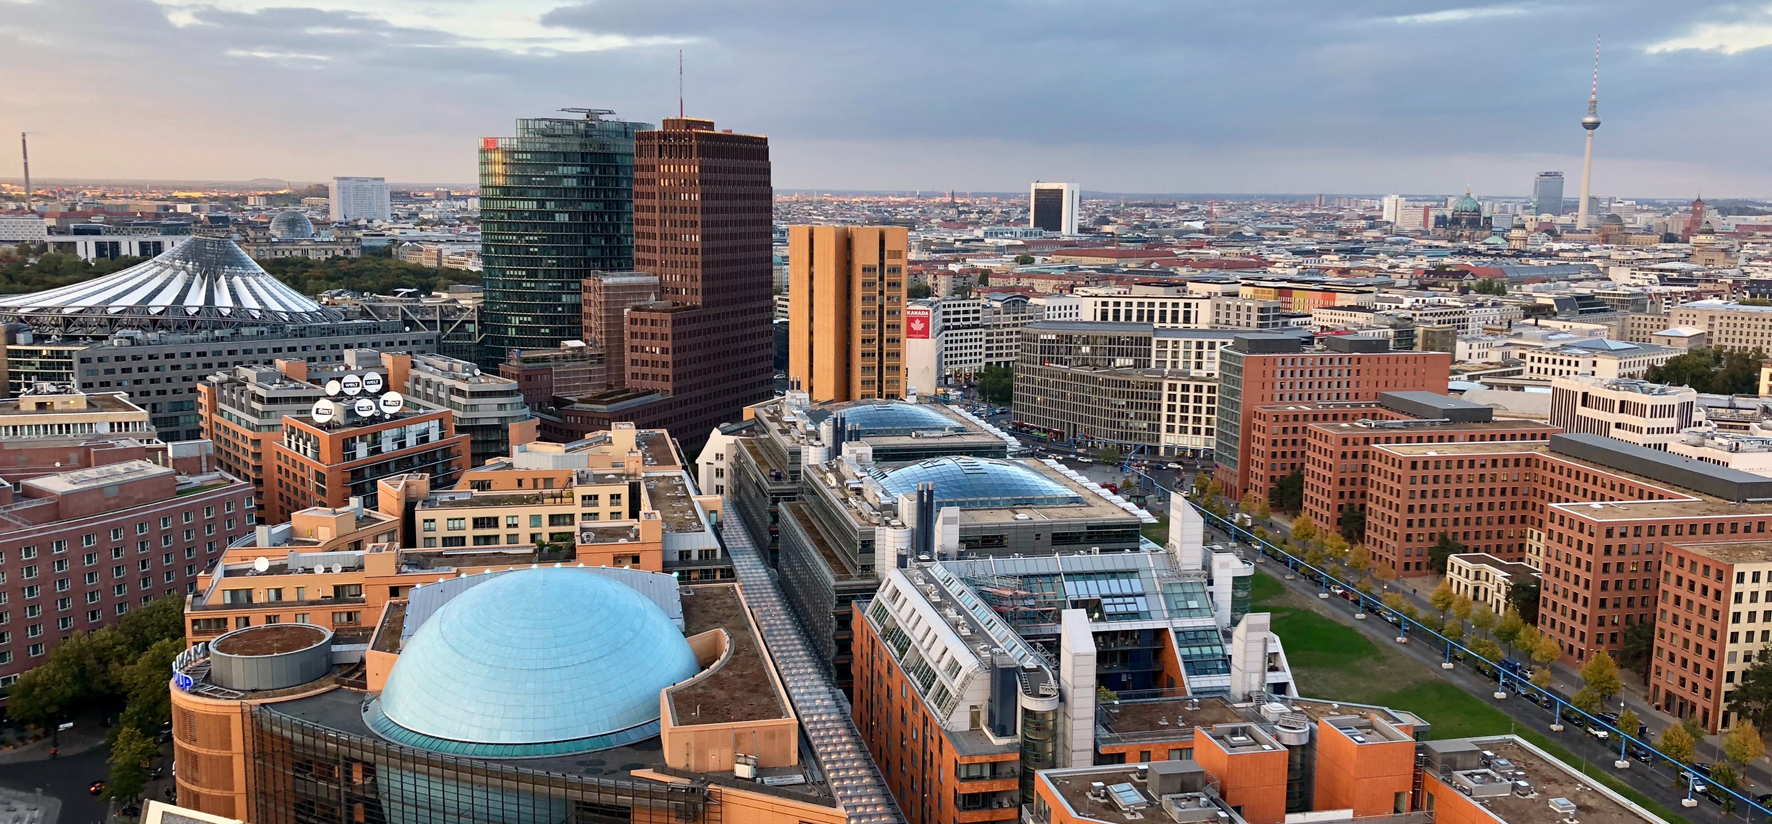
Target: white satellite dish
<point x="364" y="407"/>
<point x="392" y="403"/>
<point x="337" y="568"/>
<point x="352" y="384"/>
<point x="324" y="411"/>
<point x="333" y="387"/>
<point x="372" y="383"/>
<point x="261" y="564"/>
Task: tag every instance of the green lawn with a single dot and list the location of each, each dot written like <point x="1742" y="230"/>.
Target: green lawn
<point x="1157" y="532"/>
<point x="1340" y="663"/>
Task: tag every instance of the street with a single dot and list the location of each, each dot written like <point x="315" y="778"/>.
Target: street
<point x="66" y="779"/>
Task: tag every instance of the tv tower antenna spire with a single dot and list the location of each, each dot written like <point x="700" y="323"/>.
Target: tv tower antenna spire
<point x="24" y="147"/>
<point x="1590" y="123"/>
<point x="680" y="84"/>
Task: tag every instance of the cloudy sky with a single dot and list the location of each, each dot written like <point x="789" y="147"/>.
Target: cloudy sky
<point x="1373" y="96"/>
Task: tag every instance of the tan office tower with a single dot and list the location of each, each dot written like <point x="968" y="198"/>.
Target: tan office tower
<point x="606" y="297"/>
<point x="846" y="311"/>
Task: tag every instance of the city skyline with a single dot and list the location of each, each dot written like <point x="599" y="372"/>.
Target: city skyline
<point x="1236" y="100"/>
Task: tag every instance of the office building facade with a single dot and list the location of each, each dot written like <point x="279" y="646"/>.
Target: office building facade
<point x="1547" y="194"/>
<point x="556" y="205"/>
<point x="1054" y="207"/>
<point x="846" y="313"/>
<point x="359" y="198"/>
<point x="1259" y="370"/>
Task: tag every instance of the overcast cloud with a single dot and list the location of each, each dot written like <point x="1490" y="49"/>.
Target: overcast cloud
<point x="1160" y="96"/>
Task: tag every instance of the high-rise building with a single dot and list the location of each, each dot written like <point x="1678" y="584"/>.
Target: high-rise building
<point x="1547" y="194"/>
<point x="556" y="205"/>
<point x="846" y="316"/>
<point x="1054" y="207"/>
<point x="703" y="211"/>
<point x="359" y="198"/>
<point x="1392" y="205"/>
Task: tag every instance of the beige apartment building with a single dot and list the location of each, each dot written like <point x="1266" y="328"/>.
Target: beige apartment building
<point x="846" y="311"/>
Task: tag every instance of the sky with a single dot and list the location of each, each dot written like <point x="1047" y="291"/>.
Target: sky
<point x="1253" y="96"/>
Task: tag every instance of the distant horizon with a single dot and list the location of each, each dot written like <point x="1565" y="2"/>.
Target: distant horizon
<point x="927" y="194"/>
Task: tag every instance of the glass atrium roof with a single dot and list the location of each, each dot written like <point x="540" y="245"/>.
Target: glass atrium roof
<point x="535" y="662"/>
<point x="973" y="483"/>
<point x="898" y="418"/>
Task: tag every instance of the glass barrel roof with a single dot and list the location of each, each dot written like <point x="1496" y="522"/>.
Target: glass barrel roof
<point x="973" y="483"/>
<point x="897" y="419"/>
<point x="550" y="657"/>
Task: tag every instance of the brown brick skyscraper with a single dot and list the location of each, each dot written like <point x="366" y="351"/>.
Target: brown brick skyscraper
<point x="702" y="225"/>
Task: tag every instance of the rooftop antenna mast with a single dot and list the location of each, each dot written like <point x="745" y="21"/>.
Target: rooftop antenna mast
<point x="24" y="147"/>
<point x="679" y="84"/>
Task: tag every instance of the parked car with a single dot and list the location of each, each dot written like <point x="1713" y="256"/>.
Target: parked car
<point x="1172" y="466"/>
<point x="1336" y="589"/>
<point x="1641" y="753"/>
<point x="1598" y="731"/>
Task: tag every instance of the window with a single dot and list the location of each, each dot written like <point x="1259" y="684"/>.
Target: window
<point x="430" y="525"/>
<point x="346" y="618"/>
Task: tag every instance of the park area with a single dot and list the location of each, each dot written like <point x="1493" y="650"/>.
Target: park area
<point x="1341" y="663"/>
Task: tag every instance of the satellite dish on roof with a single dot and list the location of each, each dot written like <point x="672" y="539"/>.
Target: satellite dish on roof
<point x="364" y="407"/>
<point x="337" y="568"/>
<point x="391" y="403"/>
<point x="261" y="564"/>
<point x="333" y="387"/>
<point x="324" y="411"/>
<point x="372" y="383"/>
<point x="352" y="384"/>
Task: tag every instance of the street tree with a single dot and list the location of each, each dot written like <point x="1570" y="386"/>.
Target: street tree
<point x="1677" y="744"/>
<point x="1463" y="606"/>
<point x="1483" y="619"/>
<point x="1442" y="598"/>
<point x="1600" y="674"/>
<point x="1507" y="630"/>
<point x="1586" y="700"/>
<point x="1486" y="649"/>
<point x="1638" y="648"/>
<point x="1541" y="678"/>
<point x="1743" y="744"/>
<point x="1453" y="630"/>
<point x="1304" y="530"/>
<point x="1628" y="721"/>
<point x="132" y="751"/>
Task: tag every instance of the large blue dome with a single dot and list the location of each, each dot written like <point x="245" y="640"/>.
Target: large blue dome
<point x="970" y="483"/>
<point x="535" y="662"/>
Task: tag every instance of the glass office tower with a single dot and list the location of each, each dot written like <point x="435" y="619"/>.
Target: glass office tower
<point x="556" y="204"/>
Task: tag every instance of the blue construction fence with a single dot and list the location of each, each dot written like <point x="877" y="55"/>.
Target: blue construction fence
<point x="1456" y="653"/>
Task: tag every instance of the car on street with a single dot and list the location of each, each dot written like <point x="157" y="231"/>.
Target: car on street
<point x="1172" y="466"/>
<point x="1641" y="753"/>
<point x="1598" y="731"/>
<point x="96" y="788"/>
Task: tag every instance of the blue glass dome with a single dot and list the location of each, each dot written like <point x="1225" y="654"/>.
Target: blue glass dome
<point x="971" y="483"/>
<point x="534" y="662"/>
<point x="897" y="418"/>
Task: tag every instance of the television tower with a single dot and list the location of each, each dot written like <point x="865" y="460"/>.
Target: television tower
<point x="24" y="146"/>
<point x="1590" y="123"/>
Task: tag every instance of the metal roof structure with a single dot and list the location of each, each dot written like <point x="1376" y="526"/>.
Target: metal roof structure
<point x="205" y="282"/>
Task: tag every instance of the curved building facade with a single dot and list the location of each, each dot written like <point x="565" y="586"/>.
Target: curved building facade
<point x="530" y="695"/>
<point x="556" y="206"/>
